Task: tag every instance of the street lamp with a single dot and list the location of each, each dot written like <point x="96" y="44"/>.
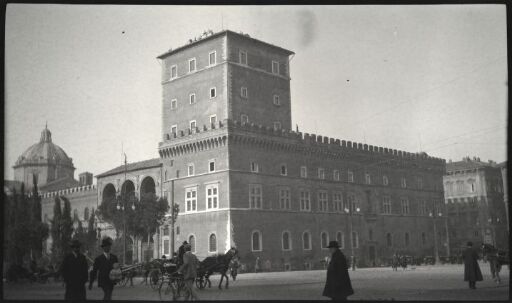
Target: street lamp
<point x="349" y="211"/>
<point x="121" y="206"/>
<point x="434" y="215"/>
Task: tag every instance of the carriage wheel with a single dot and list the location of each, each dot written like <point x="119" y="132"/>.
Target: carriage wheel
<point x="200" y="283"/>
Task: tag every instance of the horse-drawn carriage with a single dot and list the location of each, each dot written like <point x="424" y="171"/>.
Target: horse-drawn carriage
<point x="496" y="259"/>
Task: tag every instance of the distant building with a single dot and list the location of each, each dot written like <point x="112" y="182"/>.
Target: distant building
<point x="475" y="203"/>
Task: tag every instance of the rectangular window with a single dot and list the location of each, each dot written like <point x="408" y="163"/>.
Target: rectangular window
<point x="386" y="205"/>
<point x="166" y="247"/>
<point x="254" y="167"/>
<point x="284" y="198"/>
<point x="174" y="72"/>
<point x="403" y="182"/>
<point x="336" y="175"/>
<point x="166" y="230"/>
<point x="284" y="170"/>
<point x="368" y="178"/>
<point x="305" y="204"/>
<point x="190" y="169"/>
<point x="212" y="196"/>
<point x="244" y="118"/>
<point x="213" y="120"/>
<point x="243" y="57"/>
<point x="192" y="65"/>
<point x="422" y="208"/>
<point x="193" y="125"/>
<point x="420" y="183"/>
<point x="337" y="202"/>
<point x="213" y="92"/>
<point x="275" y="67"/>
<point x="303" y="172"/>
<point x="350" y="175"/>
<point x="352" y="205"/>
<point x="174" y="130"/>
<point x="211" y="166"/>
<point x="191" y="199"/>
<point x="385" y="180"/>
<point x="405" y="206"/>
<point x="212" y="58"/>
<point x="255" y="196"/>
<point x="277" y="101"/>
<point x="192" y="98"/>
<point x="277" y="125"/>
<point x="243" y="92"/>
<point x="321" y="173"/>
<point x="355" y="240"/>
<point x="323" y="201"/>
<point x="174" y="104"/>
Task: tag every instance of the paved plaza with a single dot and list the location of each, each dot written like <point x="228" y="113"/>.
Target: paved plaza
<point x="444" y="282"/>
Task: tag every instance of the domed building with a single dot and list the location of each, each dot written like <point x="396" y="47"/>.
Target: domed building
<point x="48" y="162"/>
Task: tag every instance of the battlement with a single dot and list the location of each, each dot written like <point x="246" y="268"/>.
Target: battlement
<point x="68" y="191"/>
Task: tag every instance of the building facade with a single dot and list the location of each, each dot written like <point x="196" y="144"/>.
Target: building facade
<point x="243" y="178"/>
<point x="475" y="203"/>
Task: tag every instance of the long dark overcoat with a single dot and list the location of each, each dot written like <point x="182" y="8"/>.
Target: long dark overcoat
<point x="102" y="268"/>
<point x="471" y="268"/>
<point x="74" y="273"/>
<point x="338" y="283"/>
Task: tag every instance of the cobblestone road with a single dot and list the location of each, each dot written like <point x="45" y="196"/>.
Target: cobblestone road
<point x="420" y="283"/>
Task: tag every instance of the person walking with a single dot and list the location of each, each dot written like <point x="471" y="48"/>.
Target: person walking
<point x="189" y="271"/>
<point x="337" y="285"/>
<point x="257" y="265"/>
<point x="181" y="252"/>
<point x="74" y="271"/>
<point x="102" y="266"/>
<point x="472" y="272"/>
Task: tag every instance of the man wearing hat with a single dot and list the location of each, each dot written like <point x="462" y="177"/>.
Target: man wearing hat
<point x="74" y="270"/>
<point x="181" y="252"/>
<point x="103" y="264"/>
<point x="337" y="285"/>
<point x="472" y="271"/>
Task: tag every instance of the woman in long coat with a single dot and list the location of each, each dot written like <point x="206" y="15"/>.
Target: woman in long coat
<point x="472" y="271"/>
<point x="338" y="285"/>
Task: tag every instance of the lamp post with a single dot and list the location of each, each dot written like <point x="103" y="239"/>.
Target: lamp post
<point x="121" y="206"/>
<point x="349" y="211"/>
<point x="434" y="215"/>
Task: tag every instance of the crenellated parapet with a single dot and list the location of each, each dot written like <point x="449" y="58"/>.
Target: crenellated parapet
<point x="68" y="191"/>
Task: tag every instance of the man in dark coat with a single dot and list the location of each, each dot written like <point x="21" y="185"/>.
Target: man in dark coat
<point x="181" y="252"/>
<point x="337" y="285"/>
<point x="74" y="271"/>
<point x="472" y="271"/>
<point x="103" y="264"/>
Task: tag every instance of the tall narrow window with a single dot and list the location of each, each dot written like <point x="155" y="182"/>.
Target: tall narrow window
<point x="368" y="178"/>
<point x="174" y="130"/>
<point x="305" y="204"/>
<point x="324" y="238"/>
<point x="213" y="92"/>
<point x="190" y="199"/>
<point x="174" y="72"/>
<point x="190" y="169"/>
<point x="243" y="57"/>
<point x="192" y="98"/>
<point x="212" y="58"/>
<point x="323" y="201"/>
<point x="405" y="206"/>
<point x="277" y="125"/>
<point x="286" y="241"/>
<point x="303" y="172"/>
<point x="212" y="243"/>
<point x="213" y="120"/>
<point x="389" y="240"/>
<point x="351" y="201"/>
<point x="284" y="170"/>
<point x="277" y="101"/>
<point x="423" y="239"/>
<point x="284" y="198"/>
<point x="420" y="183"/>
<point x="370" y="234"/>
<point x="174" y="104"/>
<point x="193" y="125"/>
<point x="192" y="65"/>
<point x="386" y="205"/>
<point x="403" y="182"/>
<point x="254" y="167"/>
<point x="275" y="67"/>
<point x="321" y="173"/>
<point x="243" y="92"/>
<point x="355" y="240"/>
<point x="192" y="242"/>
<point x="406" y="238"/>
<point x="306" y="241"/>
<point x="336" y="175"/>
<point x="350" y="175"/>
<point x="211" y="166"/>
<point x="166" y="247"/>
<point x="337" y="202"/>
<point x="255" y="196"/>
<point x="385" y="180"/>
<point x="256" y="241"/>
<point x="244" y="119"/>
<point x="340" y="237"/>
<point x="212" y="196"/>
<point x="86" y="213"/>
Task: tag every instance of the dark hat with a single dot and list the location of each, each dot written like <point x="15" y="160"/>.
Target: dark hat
<point x="185" y="242"/>
<point x="75" y="243"/>
<point x="333" y="244"/>
<point x="106" y="242"/>
<point x="469" y="243"/>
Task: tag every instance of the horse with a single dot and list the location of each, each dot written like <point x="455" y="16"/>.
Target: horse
<point x="217" y="264"/>
<point x="496" y="259"/>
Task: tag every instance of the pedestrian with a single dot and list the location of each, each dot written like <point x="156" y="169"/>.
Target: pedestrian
<point x="337" y="285"/>
<point x="181" y="252"/>
<point x="189" y="271"/>
<point x="74" y="271"/>
<point x="472" y="272"/>
<point x="257" y="265"/>
<point x="353" y="262"/>
<point x="102" y="266"/>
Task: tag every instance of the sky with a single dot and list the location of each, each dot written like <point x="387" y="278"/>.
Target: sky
<point x="429" y="78"/>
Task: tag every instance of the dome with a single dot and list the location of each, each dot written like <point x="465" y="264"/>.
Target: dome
<point x="45" y="151"/>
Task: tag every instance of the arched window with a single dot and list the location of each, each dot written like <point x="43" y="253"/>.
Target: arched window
<point x="389" y="240"/>
<point x="286" y="241"/>
<point x="212" y="245"/>
<point x="355" y="240"/>
<point x="406" y="239"/>
<point x="256" y="241"/>
<point x="341" y="239"/>
<point x="86" y="213"/>
<point x="75" y="214"/>
<point x="325" y="239"/>
<point x="306" y="241"/>
<point x="192" y="242"/>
